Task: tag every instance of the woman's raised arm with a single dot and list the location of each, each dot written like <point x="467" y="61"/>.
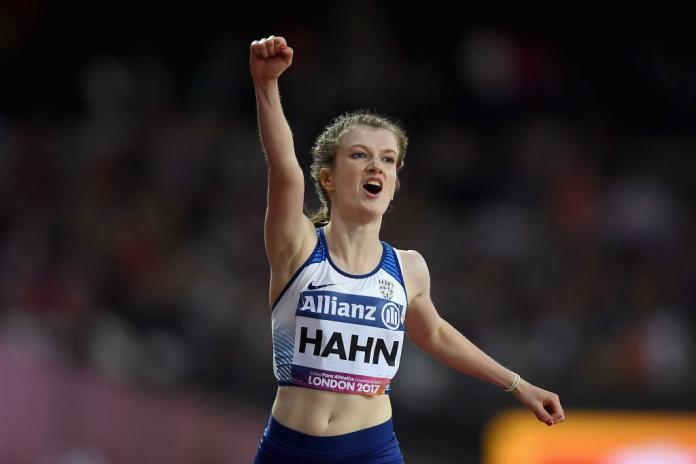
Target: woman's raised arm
<point x="287" y="228"/>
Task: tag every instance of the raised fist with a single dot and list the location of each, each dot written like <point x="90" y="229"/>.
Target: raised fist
<point x="269" y="58"/>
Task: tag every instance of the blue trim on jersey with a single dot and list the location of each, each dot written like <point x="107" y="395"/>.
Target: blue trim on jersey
<point x="320" y="251"/>
<point x="283" y="346"/>
<point x="391" y="265"/>
<point x="322" y="238"/>
<point x="318" y="255"/>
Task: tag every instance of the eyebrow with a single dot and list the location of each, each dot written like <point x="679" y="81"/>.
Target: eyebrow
<point x="359" y="145"/>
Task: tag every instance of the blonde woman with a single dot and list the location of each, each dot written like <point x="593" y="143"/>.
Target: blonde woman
<point x="342" y="299"/>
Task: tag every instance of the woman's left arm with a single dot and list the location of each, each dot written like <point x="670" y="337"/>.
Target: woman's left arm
<point x="437" y="337"/>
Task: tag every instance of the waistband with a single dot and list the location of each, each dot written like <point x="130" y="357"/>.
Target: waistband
<point x="359" y="440"/>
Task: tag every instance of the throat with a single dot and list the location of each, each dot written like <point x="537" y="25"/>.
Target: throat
<point x="355" y="259"/>
<point x="354" y="248"/>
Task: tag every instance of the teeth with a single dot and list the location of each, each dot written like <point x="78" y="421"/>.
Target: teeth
<point x="374" y="182"/>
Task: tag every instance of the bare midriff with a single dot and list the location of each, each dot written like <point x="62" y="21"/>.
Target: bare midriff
<point x="325" y="413"/>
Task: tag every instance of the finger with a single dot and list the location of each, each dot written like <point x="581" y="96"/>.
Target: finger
<point x="258" y="50"/>
<point x="552" y="404"/>
<point x="557" y="415"/>
<point x="286" y="51"/>
<point x="262" y="52"/>
<point x="278" y="43"/>
<point x="270" y="46"/>
<point x="543" y="416"/>
<point x="282" y="47"/>
<point x="554" y="408"/>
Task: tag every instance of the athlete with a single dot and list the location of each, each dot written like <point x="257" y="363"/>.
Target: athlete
<point x="341" y="298"/>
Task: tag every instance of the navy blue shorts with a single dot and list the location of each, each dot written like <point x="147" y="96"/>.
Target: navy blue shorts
<point x="374" y="445"/>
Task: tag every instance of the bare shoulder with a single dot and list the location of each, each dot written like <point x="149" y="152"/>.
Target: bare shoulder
<point x="413" y="260"/>
<point x="415" y="270"/>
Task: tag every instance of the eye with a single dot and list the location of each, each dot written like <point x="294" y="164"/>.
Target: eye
<point x="389" y="159"/>
<point x="358" y="154"/>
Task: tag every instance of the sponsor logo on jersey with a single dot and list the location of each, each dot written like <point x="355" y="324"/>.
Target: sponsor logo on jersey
<point x="311" y="286"/>
<point x="391" y="316"/>
<point x="355" y="309"/>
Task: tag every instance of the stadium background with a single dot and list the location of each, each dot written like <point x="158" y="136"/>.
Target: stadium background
<point x="549" y="184"/>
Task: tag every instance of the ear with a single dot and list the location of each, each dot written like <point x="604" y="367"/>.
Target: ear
<point x="326" y="179"/>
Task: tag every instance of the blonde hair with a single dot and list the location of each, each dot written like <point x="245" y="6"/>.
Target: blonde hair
<point x="325" y="146"/>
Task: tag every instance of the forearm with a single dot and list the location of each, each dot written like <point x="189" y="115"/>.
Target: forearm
<point x="454" y="350"/>
<point x="276" y="136"/>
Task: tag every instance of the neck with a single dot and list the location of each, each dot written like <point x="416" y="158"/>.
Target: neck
<point x="355" y="247"/>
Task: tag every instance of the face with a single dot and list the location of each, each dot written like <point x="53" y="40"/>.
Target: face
<point x="363" y="180"/>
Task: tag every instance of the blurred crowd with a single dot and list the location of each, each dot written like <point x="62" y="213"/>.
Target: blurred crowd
<point x="548" y="186"/>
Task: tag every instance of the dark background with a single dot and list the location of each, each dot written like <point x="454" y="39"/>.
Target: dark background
<point x="548" y="183"/>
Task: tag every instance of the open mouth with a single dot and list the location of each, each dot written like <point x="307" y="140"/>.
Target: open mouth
<point x="373" y="186"/>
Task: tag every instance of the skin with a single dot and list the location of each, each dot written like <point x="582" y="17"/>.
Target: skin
<point x="352" y="237"/>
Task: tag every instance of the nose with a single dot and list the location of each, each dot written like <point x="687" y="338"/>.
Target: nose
<point x="375" y="166"/>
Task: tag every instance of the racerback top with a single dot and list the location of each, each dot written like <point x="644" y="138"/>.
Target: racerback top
<point x="337" y="331"/>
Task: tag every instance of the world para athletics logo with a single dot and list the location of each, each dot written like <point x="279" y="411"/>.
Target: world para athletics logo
<point x="391" y="316"/>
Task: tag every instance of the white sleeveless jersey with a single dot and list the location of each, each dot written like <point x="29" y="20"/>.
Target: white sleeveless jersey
<point x="337" y="331"/>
